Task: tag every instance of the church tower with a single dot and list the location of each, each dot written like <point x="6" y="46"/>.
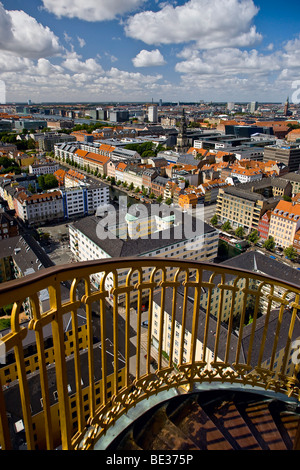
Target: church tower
<point x="286" y="107"/>
<point x="182" y="145"/>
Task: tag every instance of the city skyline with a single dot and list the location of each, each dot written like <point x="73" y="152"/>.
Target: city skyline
<point x="139" y="50"/>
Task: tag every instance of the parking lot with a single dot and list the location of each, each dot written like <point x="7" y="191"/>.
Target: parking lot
<point x="56" y="243"/>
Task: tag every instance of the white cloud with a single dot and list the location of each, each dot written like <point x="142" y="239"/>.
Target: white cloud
<point x="211" y="23"/>
<point x="74" y="63"/>
<point x="91" y="10"/>
<point x="9" y="63"/>
<point x="81" y="41"/>
<point x="228" y="61"/>
<point x="148" y="58"/>
<point x="22" y="35"/>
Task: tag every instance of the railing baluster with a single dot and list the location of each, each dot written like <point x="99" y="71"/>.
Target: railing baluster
<point x="221" y="287"/>
<point x="139" y="328"/>
<point x="60" y="365"/>
<point x="267" y="316"/>
<point x="276" y="338"/>
<point x="127" y="328"/>
<point x="115" y="332"/>
<point x="242" y="321"/>
<point x="195" y="316"/>
<point x="173" y="321"/>
<point x="152" y="286"/>
<point x="210" y="285"/>
<point x="38" y="327"/>
<point x="22" y="378"/>
<point x="77" y="365"/>
<point x="295" y="306"/>
<point x="161" y="324"/>
<point x="234" y="290"/>
<point x="183" y="317"/>
<point x="255" y="313"/>
<point x="102" y="306"/>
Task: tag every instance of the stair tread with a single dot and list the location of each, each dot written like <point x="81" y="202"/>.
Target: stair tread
<point x="166" y="435"/>
<point x="234" y="425"/>
<point x="290" y="422"/>
<point x="262" y="419"/>
<point x="195" y="422"/>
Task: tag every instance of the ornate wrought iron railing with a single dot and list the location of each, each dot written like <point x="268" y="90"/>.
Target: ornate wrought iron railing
<point x="206" y="323"/>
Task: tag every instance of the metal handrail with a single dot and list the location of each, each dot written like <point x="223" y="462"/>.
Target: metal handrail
<point x="217" y="352"/>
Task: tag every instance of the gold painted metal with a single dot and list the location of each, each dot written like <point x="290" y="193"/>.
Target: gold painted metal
<point x="126" y="282"/>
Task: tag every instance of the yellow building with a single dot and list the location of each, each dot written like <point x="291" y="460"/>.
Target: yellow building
<point x="242" y="208"/>
<point x="284" y="223"/>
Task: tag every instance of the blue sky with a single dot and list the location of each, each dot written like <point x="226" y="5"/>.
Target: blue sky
<point x="139" y="50"/>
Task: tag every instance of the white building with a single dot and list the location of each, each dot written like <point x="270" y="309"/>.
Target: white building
<point x="152" y="113"/>
<point x="40" y="208"/>
<point x="246" y="175"/>
<point x="83" y="201"/>
<point x="43" y="168"/>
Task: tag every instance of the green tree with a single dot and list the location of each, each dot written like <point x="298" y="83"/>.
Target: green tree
<point x="290" y="253"/>
<point x="47" y="182"/>
<point x="151" y="195"/>
<point x="254" y="236"/>
<point x="214" y="220"/>
<point x="269" y="244"/>
<point x="131" y="186"/>
<point x="159" y="198"/>
<point x="226" y="226"/>
<point x="240" y="232"/>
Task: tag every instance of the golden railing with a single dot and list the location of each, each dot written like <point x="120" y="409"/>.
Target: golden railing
<point x="198" y="295"/>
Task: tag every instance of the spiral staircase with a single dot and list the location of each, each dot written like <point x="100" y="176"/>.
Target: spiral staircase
<point x="213" y="421"/>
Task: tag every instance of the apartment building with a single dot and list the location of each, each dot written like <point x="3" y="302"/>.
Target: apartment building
<point x="264" y="226"/>
<point x="44" y="168"/>
<point x="133" y="174"/>
<point x="73" y="179"/>
<point x="288" y="154"/>
<point x="187" y="200"/>
<point x="91" y="160"/>
<point x="242" y="208"/>
<point x="294" y="180"/>
<point x="8" y="225"/>
<point x="284" y="223"/>
<point x="39" y="208"/>
<point x="246" y="175"/>
<point x="270" y="187"/>
<point x="158" y="186"/>
<point x="296" y="243"/>
<point x="82" y="201"/>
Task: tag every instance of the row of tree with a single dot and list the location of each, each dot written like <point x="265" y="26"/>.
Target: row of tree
<point x="254" y="237"/>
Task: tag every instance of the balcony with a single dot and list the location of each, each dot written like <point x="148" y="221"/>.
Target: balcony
<point x="85" y="359"/>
